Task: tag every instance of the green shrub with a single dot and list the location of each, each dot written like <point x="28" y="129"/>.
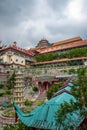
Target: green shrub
<point x="39" y="103"/>
<point x="27" y="111"/>
<point x="28" y="103"/>
<point x="1" y="85"/>
<point x="10" y="105"/>
<point x="1" y="94"/>
<point x="53" y="90"/>
<point x="64" y="70"/>
<point x="8" y="92"/>
<point x="35" y="89"/>
<point x="77" y="52"/>
<point x="72" y="71"/>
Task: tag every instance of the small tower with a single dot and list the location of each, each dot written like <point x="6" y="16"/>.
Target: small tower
<point x="43" y="42"/>
<point x="19" y="89"/>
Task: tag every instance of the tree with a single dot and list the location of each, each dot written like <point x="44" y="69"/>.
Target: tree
<point x="79" y="91"/>
<point x="18" y="126"/>
<point x="2" y="85"/>
<point x="28" y="103"/>
<point x="11" y="81"/>
<point x="77" y="52"/>
<point x="53" y="89"/>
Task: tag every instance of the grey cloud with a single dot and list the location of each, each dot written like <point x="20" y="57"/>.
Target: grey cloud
<point x="58" y="5"/>
<point x="14" y="11"/>
<point x="27" y="21"/>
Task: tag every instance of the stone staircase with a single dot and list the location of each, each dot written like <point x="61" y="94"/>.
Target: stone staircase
<point x="42" y="96"/>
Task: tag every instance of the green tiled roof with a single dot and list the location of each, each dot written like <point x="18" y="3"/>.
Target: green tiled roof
<point x="44" y="116"/>
<point x="66" y="76"/>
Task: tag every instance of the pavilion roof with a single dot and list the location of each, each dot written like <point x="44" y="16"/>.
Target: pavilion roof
<point x="43" y="117"/>
<point x="45" y="77"/>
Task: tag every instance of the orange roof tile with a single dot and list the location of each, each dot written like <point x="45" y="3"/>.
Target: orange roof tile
<point x="67" y="41"/>
<point x="18" y="49"/>
<point x="64" y="47"/>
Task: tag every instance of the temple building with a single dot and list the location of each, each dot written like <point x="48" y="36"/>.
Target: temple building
<point x="62" y="47"/>
<point x="43" y="42"/>
<point x="44" y="47"/>
<point x="65" y="45"/>
<point x="16" y="57"/>
<point x="45" y="81"/>
<point x="19" y="89"/>
<point x="44" y="116"/>
<point x="79" y="61"/>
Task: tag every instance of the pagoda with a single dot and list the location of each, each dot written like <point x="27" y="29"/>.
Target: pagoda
<point x="19" y="89"/>
<point x="43" y="42"/>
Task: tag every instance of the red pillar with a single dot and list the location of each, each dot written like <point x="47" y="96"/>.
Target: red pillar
<point x="52" y="82"/>
<point x="39" y="87"/>
<point x="47" y="86"/>
<point x="33" y="128"/>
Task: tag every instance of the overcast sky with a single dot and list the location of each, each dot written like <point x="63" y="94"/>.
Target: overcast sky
<point x="28" y="21"/>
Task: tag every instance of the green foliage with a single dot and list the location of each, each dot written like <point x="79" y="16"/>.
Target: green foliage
<point x="8" y="92"/>
<point x="10" y="105"/>
<point x="79" y="91"/>
<point x="78" y="52"/>
<point x="53" y="90"/>
<point x="28" y="103"/>
<point x="27" y="111"/>
<point x="2" y="85"/>
<point x="81" y="71"/>
<point x="35" y="89"/>
<point x="1" y="94"/>
<point x="64" y="70"/>
<point x="39" y="103"/>
<point x="45" y="57"/>
<point x="18" y="126"/>
<point x="9" y="113"/>
<point x="72" y="71"/>
<point x="11" y="81"/>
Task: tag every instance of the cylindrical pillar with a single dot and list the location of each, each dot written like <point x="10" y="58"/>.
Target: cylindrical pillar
<point x="39" y="87"/>
<point x="47" y="86"/>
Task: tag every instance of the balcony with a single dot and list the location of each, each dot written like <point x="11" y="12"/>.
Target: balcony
<point x="18" y="77"/>
<point x="18" y="91"/>
<point x="17" y="101"/>
<point x="19" y="81"/>
<point x="19" y="86"/>
<point x="18" y="96"/>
